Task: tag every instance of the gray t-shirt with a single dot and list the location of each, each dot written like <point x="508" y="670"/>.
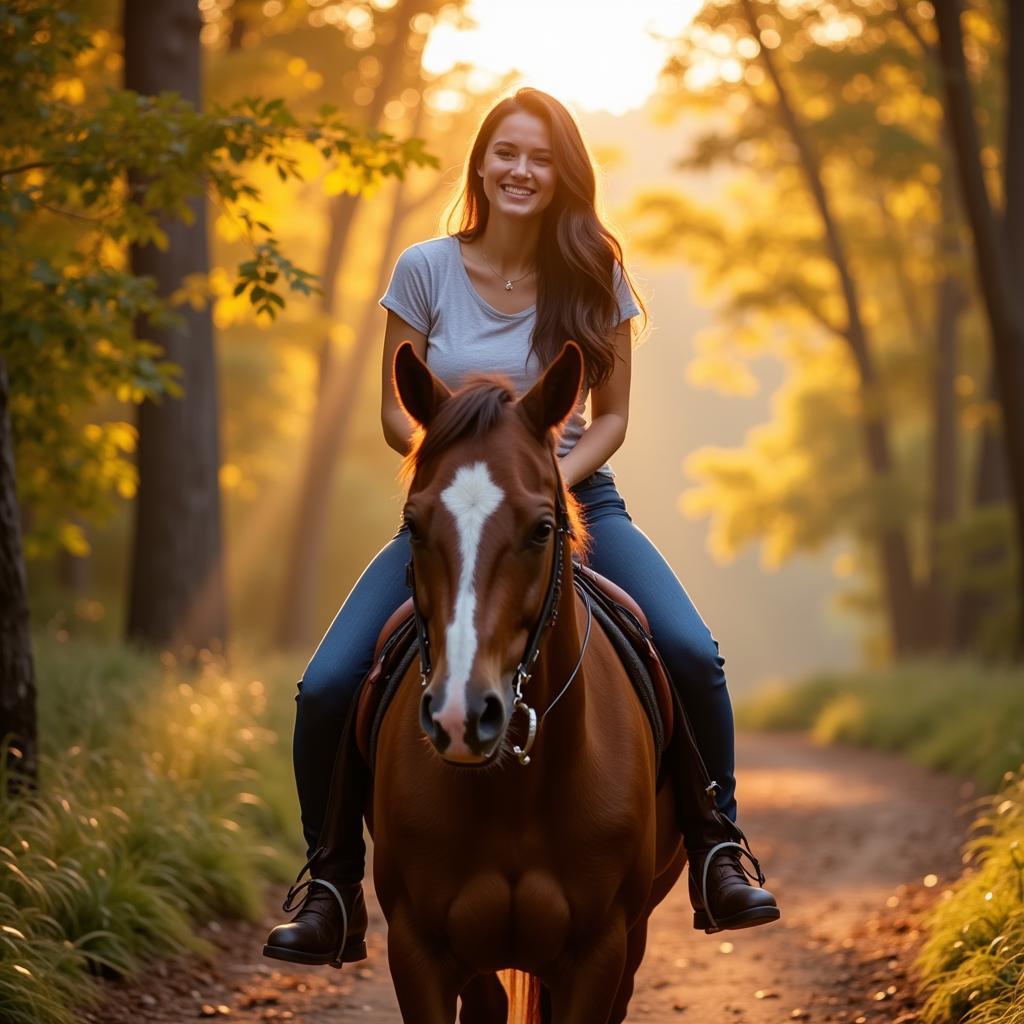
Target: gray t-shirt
<point x="430" y="290"/>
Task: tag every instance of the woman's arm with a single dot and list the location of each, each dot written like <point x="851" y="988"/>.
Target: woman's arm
<point x="609" y="406"/>
<point x="398" y="428"/>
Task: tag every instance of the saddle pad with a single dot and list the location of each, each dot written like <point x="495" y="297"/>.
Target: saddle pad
<point x="639" y="676"/>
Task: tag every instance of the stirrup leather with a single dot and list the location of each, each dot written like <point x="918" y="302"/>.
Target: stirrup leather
<point x="759" y="877"/>
<point x="297" y="887"/>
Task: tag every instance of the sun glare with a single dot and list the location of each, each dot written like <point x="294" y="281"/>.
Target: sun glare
<point x="592" y="54"/>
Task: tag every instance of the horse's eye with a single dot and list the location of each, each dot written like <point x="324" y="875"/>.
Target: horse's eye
<point x="542" y="532"/>
<point x="415" y="535"/>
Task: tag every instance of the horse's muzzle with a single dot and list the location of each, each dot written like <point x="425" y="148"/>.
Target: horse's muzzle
<point x="470" y="736"/>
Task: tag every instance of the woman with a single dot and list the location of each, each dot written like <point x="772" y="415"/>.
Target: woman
<point x="531" y="266"/>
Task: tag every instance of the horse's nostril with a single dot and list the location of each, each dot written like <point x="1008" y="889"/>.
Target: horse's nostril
<point x="492" y="719"/>
<point x="426" y="718"/>
<point x="435" y="731"/>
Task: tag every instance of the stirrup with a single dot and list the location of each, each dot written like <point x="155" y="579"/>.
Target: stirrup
<point x="759" y="877"/>
<point x="296" y="888"/>
<point x="307" y="885"/>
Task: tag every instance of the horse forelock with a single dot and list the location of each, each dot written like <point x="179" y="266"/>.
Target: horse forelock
<point x="475" y="410"/>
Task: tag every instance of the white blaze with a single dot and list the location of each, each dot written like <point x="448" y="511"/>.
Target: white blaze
<point x="471" y="497"/>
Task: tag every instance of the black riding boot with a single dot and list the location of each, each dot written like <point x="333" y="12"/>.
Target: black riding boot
<point x="330" y="927"/>
<point x="720" y="885"/>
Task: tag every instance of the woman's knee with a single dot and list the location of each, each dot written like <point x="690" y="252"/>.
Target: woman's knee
<point x="325" y="691"/>
<point x="693" y="659"/>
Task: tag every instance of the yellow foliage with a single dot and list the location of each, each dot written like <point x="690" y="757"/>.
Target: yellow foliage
<point x="113" y="254"/>
<point x="724" y="373"/>
<point x="73" y="539"/>
<point x="230" y="476"/>
<point x="122" y="435"/>
<point x="227" y="228"/>
<point x="220" y="282"/>
<point x="344" y="178"/>
<point x="70" y="89"/>
<point x="194" y="290"/>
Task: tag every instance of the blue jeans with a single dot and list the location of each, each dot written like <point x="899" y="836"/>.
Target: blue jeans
<point x="620" y="550"/>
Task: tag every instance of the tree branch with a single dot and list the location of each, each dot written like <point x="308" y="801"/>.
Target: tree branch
<point x="21" y="168"/>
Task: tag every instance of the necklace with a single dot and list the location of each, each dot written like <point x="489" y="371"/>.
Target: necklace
<point x="509" y="281"/>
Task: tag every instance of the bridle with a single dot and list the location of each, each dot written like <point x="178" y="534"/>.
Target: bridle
<point x="547" y="618"/>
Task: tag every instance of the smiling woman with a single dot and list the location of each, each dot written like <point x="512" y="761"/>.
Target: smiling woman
<point x="574" y="54"/>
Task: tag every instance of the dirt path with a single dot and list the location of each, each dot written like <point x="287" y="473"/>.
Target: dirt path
<point x="847" y="838"/>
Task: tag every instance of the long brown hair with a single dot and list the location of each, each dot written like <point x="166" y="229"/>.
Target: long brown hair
<point x="576" y="254"/>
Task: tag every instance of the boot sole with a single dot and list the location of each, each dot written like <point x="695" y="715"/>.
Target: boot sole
<point x="744" y="919"/>
<point x="354" y="951"/>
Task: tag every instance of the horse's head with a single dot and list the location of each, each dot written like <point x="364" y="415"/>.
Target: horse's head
<point x="482" y="513"/>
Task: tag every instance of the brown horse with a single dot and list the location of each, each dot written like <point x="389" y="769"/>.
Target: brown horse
<point x="506" y="837"/>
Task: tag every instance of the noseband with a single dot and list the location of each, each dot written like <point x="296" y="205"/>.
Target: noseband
<point x="547" y="618"/>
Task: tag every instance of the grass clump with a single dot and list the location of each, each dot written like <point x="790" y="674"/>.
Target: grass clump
<point x="163" y="801"/>
<point x="961" y="717"/>
<point x="972" y="963"/>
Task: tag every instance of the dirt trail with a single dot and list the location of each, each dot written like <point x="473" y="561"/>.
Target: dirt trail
<point x="846" y="837"/>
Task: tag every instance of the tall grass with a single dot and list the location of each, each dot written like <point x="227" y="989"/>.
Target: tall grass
<point x="165" y="797"/>
<point x="973" y="960"/>
<point x="963" y="717"/>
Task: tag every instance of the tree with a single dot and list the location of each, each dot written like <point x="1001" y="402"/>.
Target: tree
<point x="17" y="675"/>
<point x="998" y="238"/>
<point x="826" y="113"/>
<point x="176" y="591"/>
<point x="68" y="306"/>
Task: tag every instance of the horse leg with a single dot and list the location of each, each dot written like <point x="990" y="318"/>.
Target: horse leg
<point x="636" y="944"/>
<point x="586" y="994"/>
<point x="484" y="1001"/>
<point x="547" y="1015"/>
<point x="427" y="985"/>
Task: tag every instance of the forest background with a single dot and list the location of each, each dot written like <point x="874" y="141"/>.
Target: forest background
<point x="202" y="203"/>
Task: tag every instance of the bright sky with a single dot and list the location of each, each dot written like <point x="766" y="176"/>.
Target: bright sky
<point x="591" y="54"/>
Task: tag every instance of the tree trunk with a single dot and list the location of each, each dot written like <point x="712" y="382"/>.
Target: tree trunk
<point x="991" y="487"/>
<point x="176" y="594"/>
<point x="950" y="302"/>
<point x="999" y="249"/>
<point x="900" y="592"/>
<point x="17" y="672"/>
<point x="337" y="388"/>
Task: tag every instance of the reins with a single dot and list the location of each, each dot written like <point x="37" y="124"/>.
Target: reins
<point x="547" y="618"/>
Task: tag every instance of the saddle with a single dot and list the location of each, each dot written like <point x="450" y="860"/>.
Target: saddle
<point x="620" y="616"/>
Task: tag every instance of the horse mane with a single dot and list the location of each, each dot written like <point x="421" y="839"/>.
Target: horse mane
<point x="474" y="411"/>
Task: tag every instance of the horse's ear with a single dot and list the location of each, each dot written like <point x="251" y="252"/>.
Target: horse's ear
<point x="419" y="391"/>
<point x="552" y="399"/>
